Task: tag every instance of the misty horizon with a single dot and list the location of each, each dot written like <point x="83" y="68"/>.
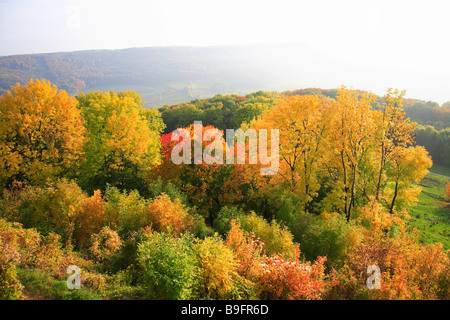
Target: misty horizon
<point x="365" y="45"/>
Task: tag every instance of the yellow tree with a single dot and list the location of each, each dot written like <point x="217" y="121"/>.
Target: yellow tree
<point x="123" y="140"/>
<point x="350" y="139"/>
<point x="408" y="167"/>
<point x="301" y="135"/>
<point x="393" y="133"/>
<point x="41" y="133"/>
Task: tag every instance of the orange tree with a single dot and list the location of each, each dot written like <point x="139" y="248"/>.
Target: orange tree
<point x="208" y="186"/>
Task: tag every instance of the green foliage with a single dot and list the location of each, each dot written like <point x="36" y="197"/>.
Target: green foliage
<point x="430" y="214"/>
<point x="331" y="236"/>
<point x="437" y="143"/>
<point x="221" y="111"/>
<point x="52" y="208"/>
<point x="123" y="140"/>
<point x="248" y="112"/>
<point x="127" y="257"/>
<point x="168" y="265"/>
<point x="126" y="211"/>
<point x="180" y="116"/>
<point x="122" y="286"/>
<point x="222" y="223"/>
<point x="242" y="289"/>
<point x="159" y="186"/>
<point x="198" y="226"/>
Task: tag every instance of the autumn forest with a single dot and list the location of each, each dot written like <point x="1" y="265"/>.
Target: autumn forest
<point x="88" y="182"/>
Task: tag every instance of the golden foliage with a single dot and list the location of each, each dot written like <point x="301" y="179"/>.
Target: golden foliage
<point x="90" y="218"/>
<point x="41" y="132"/>
<point x="216" y="267"/>
<point x="167" y="215"/>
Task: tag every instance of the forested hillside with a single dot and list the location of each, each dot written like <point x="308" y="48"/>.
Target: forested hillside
<point x="174" y="75"/>
<point x="89" y="183"/>
<point x="160" y="75"/>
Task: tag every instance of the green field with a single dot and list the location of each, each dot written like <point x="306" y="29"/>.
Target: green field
<point x="431" y="215"/>
<point x="440" y="170"/>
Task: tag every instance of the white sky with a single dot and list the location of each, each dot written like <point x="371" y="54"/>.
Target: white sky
<point x="407" y="37"/>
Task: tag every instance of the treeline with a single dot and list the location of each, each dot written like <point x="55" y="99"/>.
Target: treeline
<point x="433" y="129"/>
<point x="221" y="111"/>
<point x="436" y="142"/>
<point x="230" y="111"/>
<point x="89" y="181"/>
<point x="428" y="113"/>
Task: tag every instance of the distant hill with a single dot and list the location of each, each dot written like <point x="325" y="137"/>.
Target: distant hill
<point x="162" y="75"/>
<point x="170" y="75"/>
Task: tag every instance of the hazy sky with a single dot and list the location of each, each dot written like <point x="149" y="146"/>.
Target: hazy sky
<point x="409" y="39"/>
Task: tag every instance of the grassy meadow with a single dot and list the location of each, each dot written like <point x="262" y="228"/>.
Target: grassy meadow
<point x="431" y="215"/>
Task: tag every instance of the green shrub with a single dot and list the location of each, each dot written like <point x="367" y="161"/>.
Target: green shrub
<point x="332" y="237"/>
<point x="222" y="223"/>
<point x="159" y="187"/>
<point x="126" y="211"/>
<point x="198" y="227"/>
<point x="127" y="257"/>
<point x="121" y="287"/>
<point x="52" y="208"/>
<point x="168" y="265"/>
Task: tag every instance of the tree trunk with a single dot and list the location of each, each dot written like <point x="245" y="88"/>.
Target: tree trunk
<point x="391" y="210"/>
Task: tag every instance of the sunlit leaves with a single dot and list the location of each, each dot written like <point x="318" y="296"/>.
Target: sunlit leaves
<point x="217" y="268"/>
<point x="41" y="133"/>
<point x="168" y="264"/>
<point x="123" y="139"/>
<point x="168" y="216"/>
